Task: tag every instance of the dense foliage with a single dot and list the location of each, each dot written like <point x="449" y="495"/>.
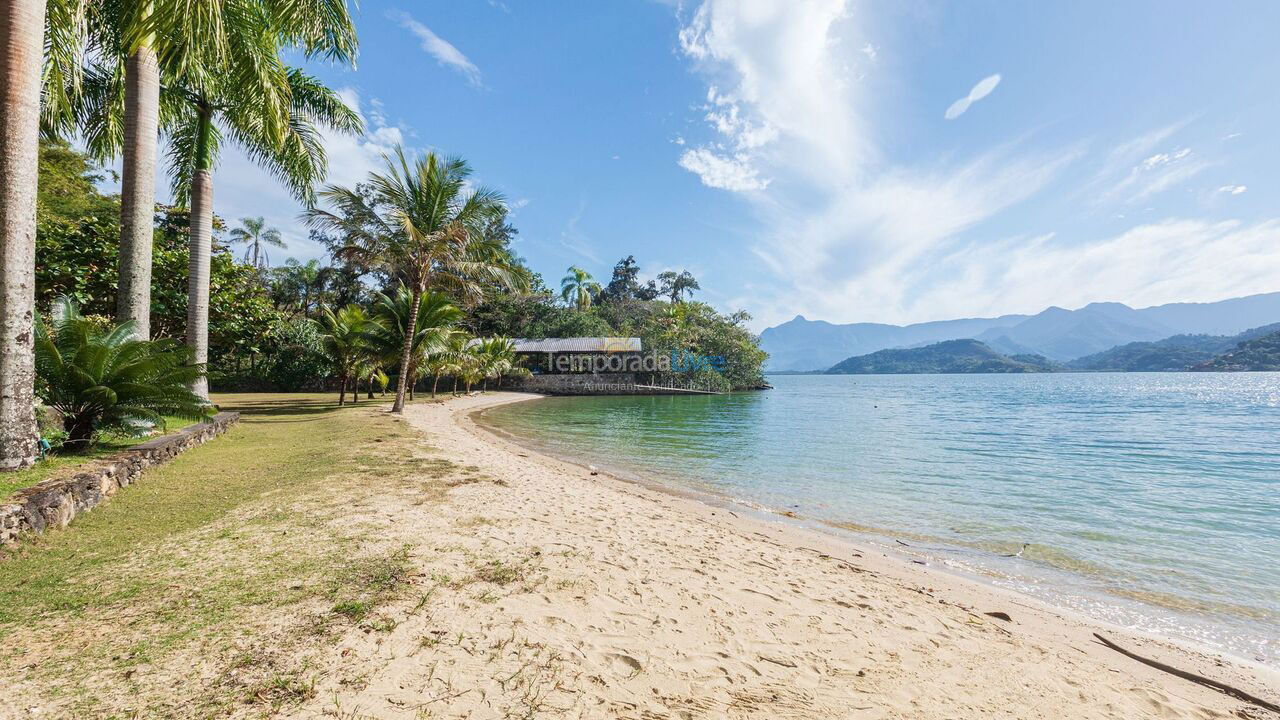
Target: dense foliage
<point x="267" y="323"/>
<point x="1258" y="354"/>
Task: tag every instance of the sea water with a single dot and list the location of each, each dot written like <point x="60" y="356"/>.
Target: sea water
<point x="1149" y="500"/>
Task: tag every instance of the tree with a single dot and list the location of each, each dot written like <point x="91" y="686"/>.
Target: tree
<point x="437" y="317"/>
<point x="140" y="46"/>
<point x="297" y="159"/>
<point x="109" y="379"/>
<point x="425" y="227"/>
<point x="348" y="341"/>
<point x="578" y="286"/>
<point x="675" y="285"/>
<point x="23" y="24"/>
<point x="625" y="284"/>
<point x="254" y="234"/>
<point x="497" y="357"/>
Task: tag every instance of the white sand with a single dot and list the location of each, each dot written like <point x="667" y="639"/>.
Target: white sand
<point x="632" y="603"/>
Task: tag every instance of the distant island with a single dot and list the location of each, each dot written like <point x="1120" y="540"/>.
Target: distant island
<point x="1253" y="350"/>
<point x="950" y="356"/>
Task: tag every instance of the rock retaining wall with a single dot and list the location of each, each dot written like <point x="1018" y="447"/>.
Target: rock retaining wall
<point x="55" y="503"/>
<point x="577" y="384"/>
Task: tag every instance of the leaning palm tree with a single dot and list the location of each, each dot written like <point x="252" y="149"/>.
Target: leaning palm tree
<point x="348" y="341"/>
<point x="23" y="23"/>
<point x="436" y="318"/>
<point x="426" y="226"/>
<point x="254" y="233"/>
<point x="580" y="286"/>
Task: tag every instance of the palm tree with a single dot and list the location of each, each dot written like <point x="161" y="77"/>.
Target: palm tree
<point x="580" y="286"/>
<point x="254" y="234"/>
<point x="242" y="104"/>
<point x="140" y="46"/>
<point x="23" y="23"/>
<point x="348" y="340"/>
<point x="497" y="358"/>
<point x="436" y="318"/>
<point x="449" y="360"/>
<point x="424" y="226"/>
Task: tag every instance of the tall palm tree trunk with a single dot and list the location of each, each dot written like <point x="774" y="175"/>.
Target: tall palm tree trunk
<point x="200" y="248"/>
<point x="342" y="392"/>
<point x="138" y="188"/>
<point x="434" y="384"/>
<point x="20" y="56"/>
<point x="407" y="356"/>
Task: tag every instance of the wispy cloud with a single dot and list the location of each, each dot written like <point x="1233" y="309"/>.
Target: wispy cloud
<point x="573" y="239"/>
<point x="979" y="91"/>
<point x="439" y="48"/>
<point x="1232" y="189"/>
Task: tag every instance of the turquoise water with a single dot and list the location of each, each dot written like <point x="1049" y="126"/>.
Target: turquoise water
<point x="1149" y="500"/>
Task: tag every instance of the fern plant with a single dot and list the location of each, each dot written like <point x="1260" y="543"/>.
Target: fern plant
<point x="107" y="380"/>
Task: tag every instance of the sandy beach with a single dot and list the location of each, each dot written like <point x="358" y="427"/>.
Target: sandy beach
<point x="594" y="597"/>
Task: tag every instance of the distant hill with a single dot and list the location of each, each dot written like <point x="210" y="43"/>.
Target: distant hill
<point x="1065" y="334"/>
<point x="1258" y="354"/>
<point x="1059" y="334"/>
<point x="950" y="356"/>
<point x="801" y="344"/>
<point x="1178" y="352"/>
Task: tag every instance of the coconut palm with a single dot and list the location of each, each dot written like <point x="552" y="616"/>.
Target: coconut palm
<point x="23" y="23"/>
<point x="348" y="341"/>
<point x="497" y="358"/>
<point x="580" y="286"/>
<point x="425" y="225"/>
<point x="254" y="233"/>
<point x="448" y="360"/>
<point x="109" y="379"/>
<point x="436" y="318"/>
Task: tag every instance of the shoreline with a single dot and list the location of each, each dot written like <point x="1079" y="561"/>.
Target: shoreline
<point x="904" y="548"/>
<point x="1043" y="620"/>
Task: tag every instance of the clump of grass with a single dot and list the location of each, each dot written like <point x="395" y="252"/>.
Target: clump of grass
<point x="368" y="582"/>
<point x="499" y="572"/>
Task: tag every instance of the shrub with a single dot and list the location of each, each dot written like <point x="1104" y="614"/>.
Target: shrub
<point x="105" y="380"/>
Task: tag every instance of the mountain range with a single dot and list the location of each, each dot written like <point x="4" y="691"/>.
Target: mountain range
<point x="1056" y="333"/>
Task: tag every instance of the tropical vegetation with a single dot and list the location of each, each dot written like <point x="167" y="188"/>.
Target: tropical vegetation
<point x="99" y="377"/>
<point x="420" y="286"/>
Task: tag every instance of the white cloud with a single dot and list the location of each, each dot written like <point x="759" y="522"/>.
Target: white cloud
<point x="847" y="234"/>
<point x="574" y="240"/>
<point x="870" y="51"/>
<point x="1134" y="172"/>
<point x="439" y="48"/>
<point x="1232" y="189"/>
<point x="979" y="91"/>
<point x="726" y="172"/>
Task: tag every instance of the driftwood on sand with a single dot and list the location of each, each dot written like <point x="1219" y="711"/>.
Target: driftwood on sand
<point x="1193" y="677"/>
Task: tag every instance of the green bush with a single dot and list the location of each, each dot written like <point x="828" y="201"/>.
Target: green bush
<point x="107" y="381"/>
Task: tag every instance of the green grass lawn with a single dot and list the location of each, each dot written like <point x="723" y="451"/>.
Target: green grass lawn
<point x="190" y="557"/>
<point x="67" y="464"/>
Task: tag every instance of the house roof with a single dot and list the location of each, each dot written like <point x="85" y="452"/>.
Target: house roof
<point x="578" y="344"/>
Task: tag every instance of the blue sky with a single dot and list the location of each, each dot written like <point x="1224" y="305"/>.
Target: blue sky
<point x="848" y="161"/>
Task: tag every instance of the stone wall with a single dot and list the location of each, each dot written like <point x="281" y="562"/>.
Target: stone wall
<point x="577" y="384"/>
<point x="55" y="503"/>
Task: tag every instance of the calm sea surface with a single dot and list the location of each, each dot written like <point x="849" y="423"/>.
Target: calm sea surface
<point x="1149" y="500"/>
